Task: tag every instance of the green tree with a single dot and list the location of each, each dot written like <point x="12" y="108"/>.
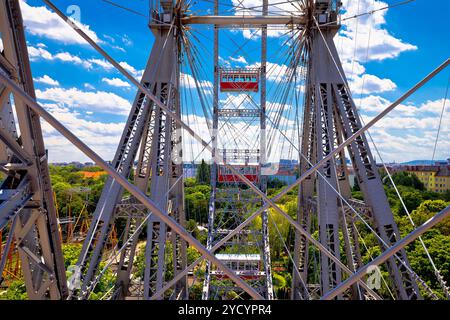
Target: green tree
<point x="356" y="184"/>
<point x="275" y="183"/>
<point x="203" y="175"/>
<point x="406" y="179"/>
<point x="196" y="205"/>
<point x="411" y="198"/>
<point x="437" y="245"/>
<point x="15" y="291"/>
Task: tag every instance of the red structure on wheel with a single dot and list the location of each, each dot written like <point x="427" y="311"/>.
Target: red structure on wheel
<point x="249" y="171"/>
<point x="240" y="79"/>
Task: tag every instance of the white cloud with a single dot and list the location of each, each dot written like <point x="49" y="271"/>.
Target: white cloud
<point x="375" y="104"/>
<point x="99" y="101"/>
<point x="238" y="133"/>
<point x="359" y="40"/>
<point x="367" y="32"/>
<point x="188" y="81"/>
<point x="132" y="70"/>
<point x="67" y="57"/>
<point x="101" y="63"/>
<point x="41" y="53"/>
<point x="275" y="72"/>
<point x="118" y="48"/>
<point x="239" y="59"/>
<point x="42" y="22"/>
<point x="38" y="53"/>
<point x="89" y="86"/>
<point x="116" y="82"/>
<point x="254" y="7"/>
<point x="45" y="79"/>
<point x="369" y="83"/>
<point x="126" y="40"/>
<point x="103" y="138"/>
<point x="409" y="131"/>
<point x="109" y="38"/>
<point x="224" y="63"/>
<point x="362" y="83"/>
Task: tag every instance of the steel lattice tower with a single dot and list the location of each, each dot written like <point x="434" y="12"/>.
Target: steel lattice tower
<point x="26" y="201"/>
<point x="149" y="136"/>
<point x="330" y="117"/>
<point x="229" y="199"/>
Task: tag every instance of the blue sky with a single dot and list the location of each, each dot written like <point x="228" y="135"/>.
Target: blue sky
<point x="92" y="99"/>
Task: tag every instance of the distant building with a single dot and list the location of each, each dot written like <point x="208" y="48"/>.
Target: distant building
<point x="286" y="165"/>
<point x="285" y="171"/>
<point x="77" y="164"/>
<point x="435" y="178"/>
<point x="285" y="178"/>
<point x="189" y="170"/>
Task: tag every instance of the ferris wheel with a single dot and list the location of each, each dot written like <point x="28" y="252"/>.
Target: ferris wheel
<point x="278" y="91"/>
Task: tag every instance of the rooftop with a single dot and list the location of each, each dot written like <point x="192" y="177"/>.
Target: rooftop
<point x="442" y="171"/>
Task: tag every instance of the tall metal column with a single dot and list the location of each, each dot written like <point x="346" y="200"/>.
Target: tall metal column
<point x="214" y="166"/>
<point x="263" y="155"/>
<point x="26" y="194"/>
<point x="148" y="127"/>
<point x="230" y="200"/>
<point x="305" y="197"/>
<point x="176" y="198"/>
<point x="336" y="119"/>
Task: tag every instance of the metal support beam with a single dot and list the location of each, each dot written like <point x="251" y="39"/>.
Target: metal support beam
<point x="244" y="20"/>
<point x="389" y="253"/>
<point x="28" y="184"/>
<point x="263" y="156"/>
<point x="214" y="167"/>
<point x="127" y="185"/>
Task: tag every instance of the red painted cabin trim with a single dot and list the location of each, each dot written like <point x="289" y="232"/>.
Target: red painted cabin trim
<point x="235" y="80"/>
<point x="226" y="176"/>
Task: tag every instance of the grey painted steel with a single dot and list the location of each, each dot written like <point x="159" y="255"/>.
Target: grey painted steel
<point x="244" y="20"/>
<point x="330" y="88"/>
<point x="149" y="127"/>
<point x="305" y="194"/>
<point x="176" y="199"/>
<point x="160" y="161"/>
<point x="150" y="95"/>
<point x="327" y="199"/>
<point x="6" y="248"/>
<point x="263" y="156"/>
<point x="241" y="228"/>
<point x="335" y="116"/>
<point x="176" y="118"/>
<point x="11" y="143"/>
<point x="128" y="186"/>
<point x="31" y="197"/>
<point x="214" y="166"/>
<point x="388" y="254"/>
<point x="112" y="192"/>
<point x="13" y="200"/>
<point x="231" y="189"/>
